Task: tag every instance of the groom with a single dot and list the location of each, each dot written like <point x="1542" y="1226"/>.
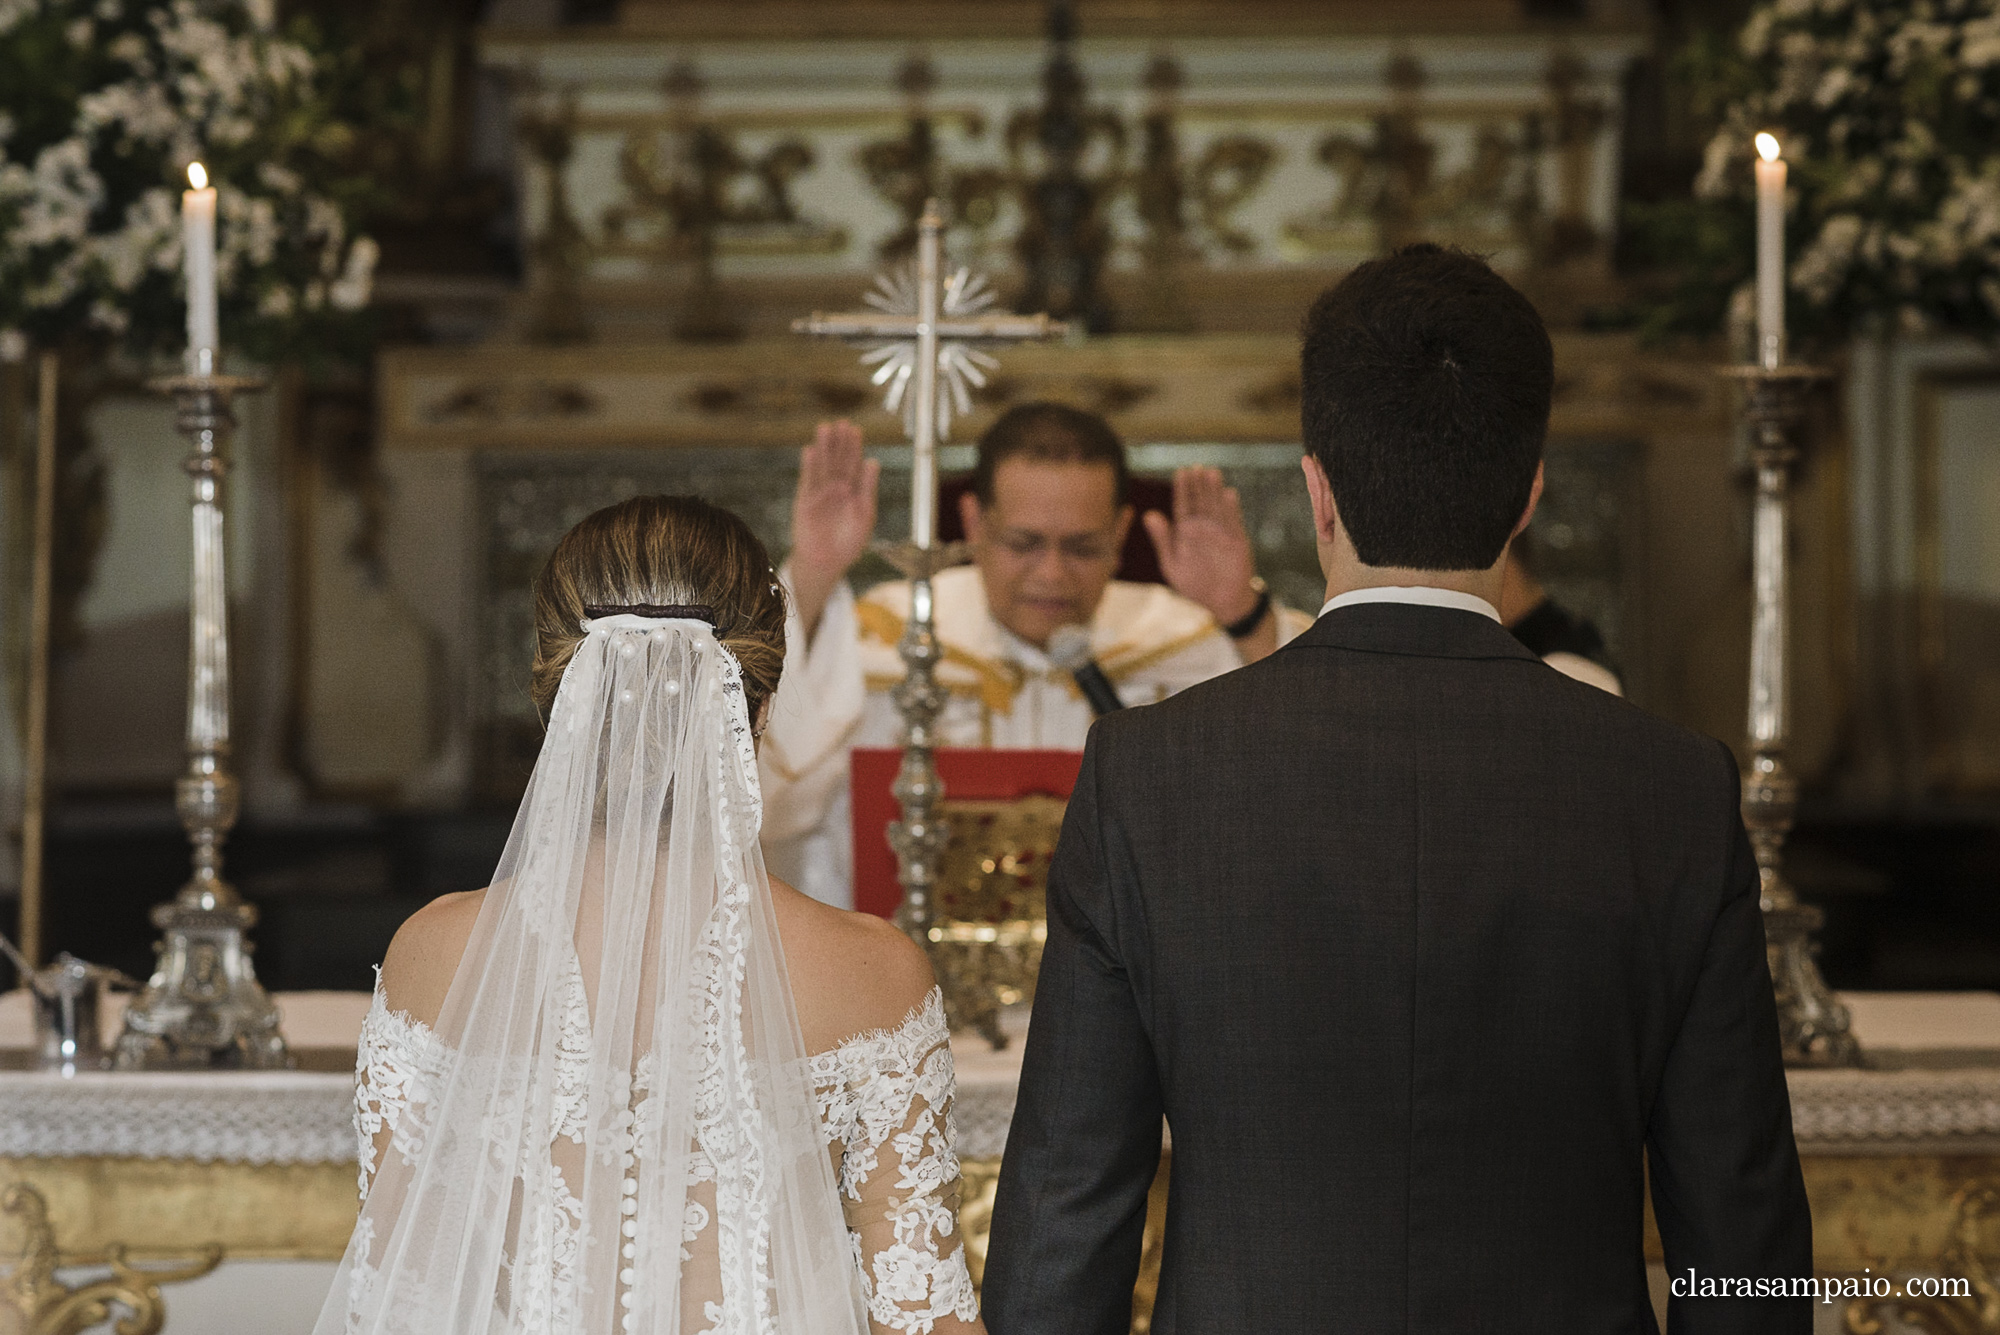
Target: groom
<point x="1426" y="953"/>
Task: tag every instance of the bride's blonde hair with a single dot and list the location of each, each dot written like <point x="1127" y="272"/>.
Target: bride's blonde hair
<point x="662" y="550"/>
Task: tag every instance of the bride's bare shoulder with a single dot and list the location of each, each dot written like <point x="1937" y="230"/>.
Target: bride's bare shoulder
<point x="424" y="954"/>
<point x="851" y="972"/>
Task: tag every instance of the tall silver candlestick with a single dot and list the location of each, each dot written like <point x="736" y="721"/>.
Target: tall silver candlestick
<point x="919" y="837"/>
<point x="203" y="1006"/>
<point x="923" y="334"/>
<point x="1812" y="1024"/>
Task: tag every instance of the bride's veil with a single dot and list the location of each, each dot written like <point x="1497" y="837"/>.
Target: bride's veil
<point x="622" y="1136"/>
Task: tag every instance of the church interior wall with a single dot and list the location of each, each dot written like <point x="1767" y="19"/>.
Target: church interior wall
<point x="366" y="561"/>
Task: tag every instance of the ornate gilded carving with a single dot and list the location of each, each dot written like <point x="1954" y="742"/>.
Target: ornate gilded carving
<point x="267" y="1211"/>
<point x="1152" y="1248"/>
<point x="1065" y="235"/>
<point x="693" y="194"/>
<point x="1226" y="175"/>
<point x="979" y="1182"/>
<point x="559" y="252"/>
<point x="1228" y="172"/>
<point x="512" y="400"/>
<point x="990" y="917"/>
<point x="1573" y="122"/>
<point x="908" y="171"/>
<point x="774" y="397"/>
<point x="1159" y="195"/>
<point x="905" y="171"/>
<point x="1383" y="178"/>
<point x="1969" y="1276"/>
<point x="1391" y="192"/>
<point x="33" y="1301"/>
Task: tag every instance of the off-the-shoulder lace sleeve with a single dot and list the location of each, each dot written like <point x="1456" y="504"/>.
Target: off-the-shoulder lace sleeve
<point x="885" y="1100"/>
<point x="397" y="1066"/>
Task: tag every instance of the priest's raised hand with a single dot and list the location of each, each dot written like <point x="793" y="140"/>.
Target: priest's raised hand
<point x="833" y="516"/>
<point x="1206" y="556"/>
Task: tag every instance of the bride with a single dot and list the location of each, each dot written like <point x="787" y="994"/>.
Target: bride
<point x="636" y="1085"/>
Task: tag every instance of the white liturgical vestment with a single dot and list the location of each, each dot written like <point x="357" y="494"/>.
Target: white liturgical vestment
<point x="1002" y="692"/>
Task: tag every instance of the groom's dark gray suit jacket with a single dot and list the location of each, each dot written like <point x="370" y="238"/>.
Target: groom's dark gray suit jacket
<point x="1425" y="951"/>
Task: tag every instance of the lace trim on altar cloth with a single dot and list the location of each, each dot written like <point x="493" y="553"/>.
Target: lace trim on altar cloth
<point x="885" y="1111"/>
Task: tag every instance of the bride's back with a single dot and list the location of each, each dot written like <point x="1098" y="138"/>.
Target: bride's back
<point x="850" y="973"/>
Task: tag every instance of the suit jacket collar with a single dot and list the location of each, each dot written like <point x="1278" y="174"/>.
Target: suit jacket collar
<point x="1414" y="629"/>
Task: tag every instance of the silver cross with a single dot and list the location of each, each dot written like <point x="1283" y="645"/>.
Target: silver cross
<point x="923" y="338"/>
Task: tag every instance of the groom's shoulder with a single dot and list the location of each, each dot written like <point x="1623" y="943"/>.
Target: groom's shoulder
<point x="1284" y="694"/>
<point x="1195" y="711"/>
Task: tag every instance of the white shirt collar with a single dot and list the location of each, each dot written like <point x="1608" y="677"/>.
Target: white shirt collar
<point x="1420" y="594"/>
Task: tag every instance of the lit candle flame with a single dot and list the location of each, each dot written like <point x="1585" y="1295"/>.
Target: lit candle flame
<point x="1767" y="147"/>
<point x="197" y="176"/>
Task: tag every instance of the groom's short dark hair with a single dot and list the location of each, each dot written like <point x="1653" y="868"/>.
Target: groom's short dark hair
<point x="1424" y="383"/>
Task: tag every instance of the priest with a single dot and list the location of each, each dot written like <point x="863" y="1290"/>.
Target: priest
<point x="1046" y="518"/>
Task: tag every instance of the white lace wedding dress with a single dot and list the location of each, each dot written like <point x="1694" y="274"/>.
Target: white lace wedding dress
<point x="884" y="1101"/>
<point x="613" y="1127"/>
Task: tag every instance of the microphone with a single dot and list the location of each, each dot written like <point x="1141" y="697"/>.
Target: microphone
<point x="1069" y="649"/>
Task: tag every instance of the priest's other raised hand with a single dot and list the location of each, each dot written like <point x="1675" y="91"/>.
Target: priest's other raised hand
<point x="833" y="515"/>
<point x="1206" y="557"/>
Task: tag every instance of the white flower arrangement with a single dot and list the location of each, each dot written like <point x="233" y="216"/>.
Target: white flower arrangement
<point x="1889" y="114"/>
<point x="103" y="103"/>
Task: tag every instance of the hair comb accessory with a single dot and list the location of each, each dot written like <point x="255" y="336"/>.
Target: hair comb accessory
<point x="663" y="611"/>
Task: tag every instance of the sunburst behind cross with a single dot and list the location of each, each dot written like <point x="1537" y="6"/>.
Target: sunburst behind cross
<point x="923" y="339"/>
<point x="961" y="366"/>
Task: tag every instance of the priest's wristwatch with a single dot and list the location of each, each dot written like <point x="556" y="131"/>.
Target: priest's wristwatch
<point x="1254" y="618"/>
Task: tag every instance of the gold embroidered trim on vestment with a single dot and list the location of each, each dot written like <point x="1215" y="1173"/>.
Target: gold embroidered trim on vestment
<point x="999" y="682"/>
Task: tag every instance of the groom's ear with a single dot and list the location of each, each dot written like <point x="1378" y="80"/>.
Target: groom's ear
<point x="1326" y="515"/>
<point x="1534" y="499"/>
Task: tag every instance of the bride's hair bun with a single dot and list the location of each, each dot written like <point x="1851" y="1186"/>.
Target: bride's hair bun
<point x="665" y="550"/>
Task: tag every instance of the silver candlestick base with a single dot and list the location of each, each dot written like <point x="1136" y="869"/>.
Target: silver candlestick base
<point x="1812" y="1023"/>
<point x="203" y="1007"/>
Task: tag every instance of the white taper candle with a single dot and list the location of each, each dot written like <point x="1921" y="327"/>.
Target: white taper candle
<point x="1770" y="253"/>
<point x="198" y="236"/>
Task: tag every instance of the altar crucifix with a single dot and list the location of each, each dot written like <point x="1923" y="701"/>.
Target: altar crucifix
<point x="923" y="337"/>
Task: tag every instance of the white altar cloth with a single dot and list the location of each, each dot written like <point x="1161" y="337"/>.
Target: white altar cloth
<point x="1934" y="1083"/>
